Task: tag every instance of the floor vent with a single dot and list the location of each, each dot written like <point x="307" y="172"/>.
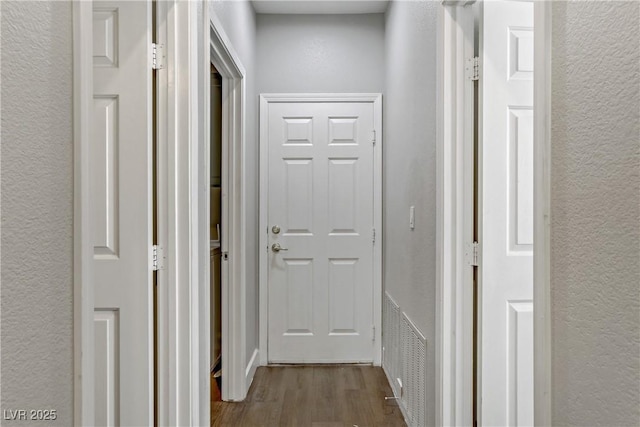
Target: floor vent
<point x="413" y="362"/>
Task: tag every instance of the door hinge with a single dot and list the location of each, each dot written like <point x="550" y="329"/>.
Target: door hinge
<point x="373" y="235"/>
<point x="373" y="333"/>
<point x="157" y="56"/>
<point x="157" y="258"/>
<point x="473" y="68"/>
<point x="373" y="141"/>
<point x="472" y="253"/>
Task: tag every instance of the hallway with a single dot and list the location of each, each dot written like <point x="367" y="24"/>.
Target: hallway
<point x="313" y="396"/>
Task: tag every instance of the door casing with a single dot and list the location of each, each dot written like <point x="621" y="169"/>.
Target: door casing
<point x="234" y="366"/>
<point x="265" y="100"/>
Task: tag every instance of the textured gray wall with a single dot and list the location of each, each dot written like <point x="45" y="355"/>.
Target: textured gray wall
<point x="239" y="22"/>
<point x="320" y="53"/>
<point x="410" y="168"/>
<point x="37" y="209"/>
<point x="595" y="229"/>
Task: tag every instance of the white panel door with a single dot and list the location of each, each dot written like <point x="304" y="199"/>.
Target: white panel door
<point x="121" y="200"/>
<point x="320" y="195"/>
<point x="507" y="215"/>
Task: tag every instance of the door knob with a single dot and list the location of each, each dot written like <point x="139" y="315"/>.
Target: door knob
<point x="277" y="248"/>
<point x="275" y="229"/>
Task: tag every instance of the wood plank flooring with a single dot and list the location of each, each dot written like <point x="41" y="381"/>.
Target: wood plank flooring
<point x="313" y="396"/>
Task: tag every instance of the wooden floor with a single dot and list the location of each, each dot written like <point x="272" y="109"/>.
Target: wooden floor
<point x="313" y="396"/>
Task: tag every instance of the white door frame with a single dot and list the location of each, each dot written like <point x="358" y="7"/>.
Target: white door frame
<point x="455" y="176"/>
<point x="542" y="364"/>
<point x="454" y="385"/>
<point x="178" y="369"/>
<point x="265" y="100"/>
<point x="83" y="298"/>
<point x="193" y="41"/>
<point x="233" y="302"/>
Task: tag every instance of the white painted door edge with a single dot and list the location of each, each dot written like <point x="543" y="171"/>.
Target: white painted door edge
<point x="267" y="98"/>
<point x="454" y="379"/>
<point x="542" y="215"/>
<point x="454" y="338"/>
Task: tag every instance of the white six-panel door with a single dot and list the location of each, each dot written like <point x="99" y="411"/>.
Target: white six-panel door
<point x="321" y="197"/>
<point x="506" y="298"/>
<point x="121" y="200"/>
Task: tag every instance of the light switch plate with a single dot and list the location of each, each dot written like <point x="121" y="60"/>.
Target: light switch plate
<point x="412" y="217"/>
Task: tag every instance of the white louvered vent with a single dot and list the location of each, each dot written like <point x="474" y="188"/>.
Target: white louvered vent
<point x="391" y="342"/>
<point x="404" y="358"/>
<point x="413" y="361"/>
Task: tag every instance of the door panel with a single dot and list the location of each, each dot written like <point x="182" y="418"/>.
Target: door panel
<point x="506" y="273"/>
<point x="320" y="189"/>
<point x="121" y="201"/>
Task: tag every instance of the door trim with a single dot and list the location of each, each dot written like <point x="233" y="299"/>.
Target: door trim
<point x="454" y="374"/>
<point x="191" y="40"/>
<point x="233" y="301"/>
<point x="83" y="304"/>
<point x="178" y="136"/>
<point x="542" y="362"/>
<point x="455" y="182"/>
<point x="265" y="100"/>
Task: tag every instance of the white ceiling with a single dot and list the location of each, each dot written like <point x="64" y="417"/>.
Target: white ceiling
<point x="313" y="7"/>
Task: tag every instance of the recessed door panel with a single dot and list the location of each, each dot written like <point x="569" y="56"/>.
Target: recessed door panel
<point x="299" y="303"/>
<point x="105" y="37"/>
<point x="521" y="178"/>
<point x="343" y="130"/>
<point x="107" y="378"/>
<point x="298" y="130"/>
<point x="104" y="176"/>
<point x="521" y="53"/>
<point x="520" y="362"/>
<point x="343" y="278"/>
<point x="343" y="188"/>
<point x="299" y="195"/>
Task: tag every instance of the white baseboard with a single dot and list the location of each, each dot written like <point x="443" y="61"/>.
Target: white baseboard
<point x="251" y="369"/>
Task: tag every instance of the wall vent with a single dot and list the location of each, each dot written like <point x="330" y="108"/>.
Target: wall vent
<point x="404" y="358"/>
<point x="413" y="361"/>
<point x="391" y="342"/>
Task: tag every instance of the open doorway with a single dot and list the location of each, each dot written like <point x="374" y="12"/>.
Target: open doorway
<point x="222" y="332"/>
<point x="215" y="216"/>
